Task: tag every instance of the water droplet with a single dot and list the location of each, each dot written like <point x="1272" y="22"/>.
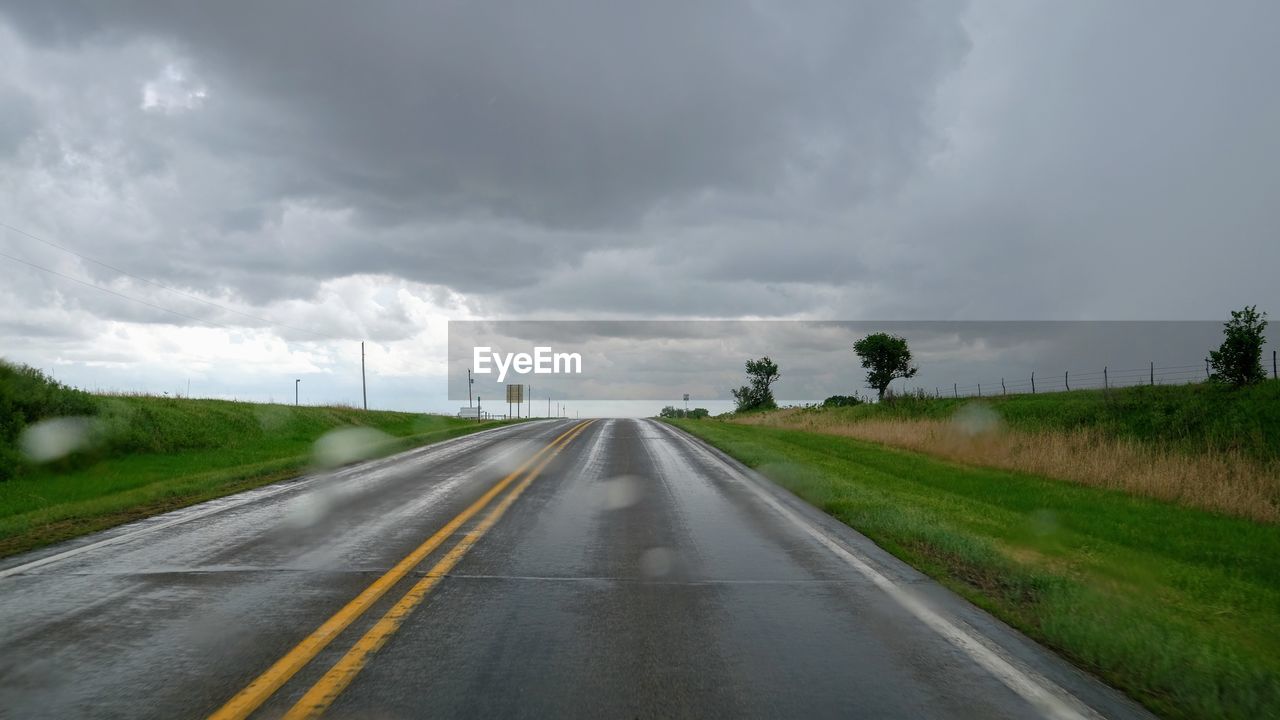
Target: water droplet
<point x="656" y="562"/>
<point x="348" y="445"/>
<point x="55" y="438"/>
<point x="621" y="492"/>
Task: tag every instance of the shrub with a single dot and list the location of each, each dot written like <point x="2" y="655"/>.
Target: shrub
<point x="842" y="401"/>
<point x="27" y="396"/>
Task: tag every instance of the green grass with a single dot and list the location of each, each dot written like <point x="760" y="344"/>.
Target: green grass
<point x="1176" y="606"/>
<point x="1194" y="418"/>
<point x="154" y="454"/>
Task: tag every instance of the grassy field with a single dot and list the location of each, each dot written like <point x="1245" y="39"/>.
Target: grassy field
<point x="1176" y="606"/>
<point x="1193" y="418"/>
<point x="147" y="455"/>
<point x="1204" y="446"/>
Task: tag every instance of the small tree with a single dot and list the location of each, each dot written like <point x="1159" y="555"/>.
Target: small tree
<point x="886" y="357"/>
<point x="1239" y="359"/>
<point x="756" y="394"/>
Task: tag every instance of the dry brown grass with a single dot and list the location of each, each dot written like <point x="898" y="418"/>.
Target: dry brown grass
<point x="1222" y="482"/>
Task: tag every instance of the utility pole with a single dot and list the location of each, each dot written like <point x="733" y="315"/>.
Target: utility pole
<point x="1153" y="372"/>
<point x="295" y="391"/>
<point x="548" y="406"/>
<point x="479" y="415"/>
<point x="529" y="388"/>
<point x="364" y="389"/>
<point x="1033" y="383"/>
<point x="470" y="382"/>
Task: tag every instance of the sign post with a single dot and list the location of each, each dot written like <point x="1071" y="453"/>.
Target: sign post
<point x="515" y="396"/>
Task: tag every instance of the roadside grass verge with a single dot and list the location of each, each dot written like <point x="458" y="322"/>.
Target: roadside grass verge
<point x="1176" y="606"/>
<point x="151" y="455"/>
<point x="1193" y="418"/>
<point x="1206" y="446"/>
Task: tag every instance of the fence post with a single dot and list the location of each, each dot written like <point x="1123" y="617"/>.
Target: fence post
<point x="1033" y="383"/>
<point x="1066" y="378"/>
<point x="1105" y="385"/>
<point x="1153" y="372"/>
<point x="979" y="389"/>
<point x="1273" y="364"/>
<point x="955" y="389"/>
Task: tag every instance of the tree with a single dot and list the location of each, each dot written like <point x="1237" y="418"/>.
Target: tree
<point x="886" y="357"/>
<point x="756" y="394"/>
<point x="1239" y="359"/>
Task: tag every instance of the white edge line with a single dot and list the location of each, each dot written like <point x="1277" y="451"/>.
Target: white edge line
<point x="253" y="495"/>
<point x="1044" y="694"/>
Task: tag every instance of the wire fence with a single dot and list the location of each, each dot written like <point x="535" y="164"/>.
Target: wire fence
<point x="1067" y="380"/>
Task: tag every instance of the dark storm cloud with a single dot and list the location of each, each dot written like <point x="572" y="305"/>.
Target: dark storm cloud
<point x="835" y="159"/>
<point x="563" y="113"/>
<point x="436" y="142"/>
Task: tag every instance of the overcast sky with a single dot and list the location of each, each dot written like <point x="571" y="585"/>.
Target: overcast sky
<point x="369" y="171"/>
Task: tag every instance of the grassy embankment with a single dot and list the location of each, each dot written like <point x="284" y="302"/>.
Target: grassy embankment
<point x="1176" y="604"/>
<point x="146" y="455"/>
<point x="1205" y="446"/>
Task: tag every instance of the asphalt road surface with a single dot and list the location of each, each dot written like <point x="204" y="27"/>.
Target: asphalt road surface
<point x="603" y="569"/>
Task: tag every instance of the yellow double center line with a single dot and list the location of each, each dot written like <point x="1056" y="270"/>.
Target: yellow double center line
<point x="322" y="694"/>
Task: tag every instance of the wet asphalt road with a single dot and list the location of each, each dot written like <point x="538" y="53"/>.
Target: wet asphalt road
<point x="639" y="575"/>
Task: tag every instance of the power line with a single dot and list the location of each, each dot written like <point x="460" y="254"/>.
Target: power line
<point x="153" y="283"/>
<point x="113" y="292"/>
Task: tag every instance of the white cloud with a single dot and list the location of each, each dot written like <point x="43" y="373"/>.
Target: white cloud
<point x="173" y="91"/>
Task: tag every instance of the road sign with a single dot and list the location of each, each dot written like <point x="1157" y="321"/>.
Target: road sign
<point x="515" y="394"/>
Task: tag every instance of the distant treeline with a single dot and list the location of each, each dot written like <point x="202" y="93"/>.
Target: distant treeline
<point x="675" y="412"/>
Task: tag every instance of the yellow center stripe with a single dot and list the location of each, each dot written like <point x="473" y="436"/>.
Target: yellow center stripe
<point x="322" y="694"/>
<point x="262" y="687"/>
